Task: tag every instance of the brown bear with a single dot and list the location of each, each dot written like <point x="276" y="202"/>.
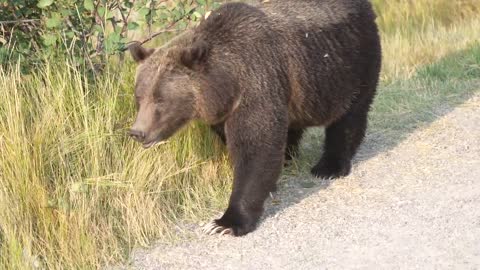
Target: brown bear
<point x="260" y="75"/>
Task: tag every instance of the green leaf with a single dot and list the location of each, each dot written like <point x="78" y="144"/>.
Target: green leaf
<point x="65" y="12"/>
<point x="143" y="12"/>
<point x="49" y="39"/>
<point x="54" y="21"/>
<point x="163" y="15"/>
<point x="88" y="5"/>
<point x="181" y="25"/>
<point x="200" y="10"/>
<point x="112" y="42"/>
<point x="132" y="26"/>
<point x="44" y="3"/>
<point x="101" y="11"/>
<point x="108" y="14"/>
<point x="153" y="13"/>
<point x="118" y="30"/>
<point x="70" y="34"/>
<point x="97" y="29"/>
<point x="177" y="14"/>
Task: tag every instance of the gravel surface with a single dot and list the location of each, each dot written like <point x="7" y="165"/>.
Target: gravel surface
<point x="415" y="206"/>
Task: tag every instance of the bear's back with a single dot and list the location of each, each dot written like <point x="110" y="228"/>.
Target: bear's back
<point x="317" y="53"/>
<point x="316" y="13"/>
<point x="332" y="48"/>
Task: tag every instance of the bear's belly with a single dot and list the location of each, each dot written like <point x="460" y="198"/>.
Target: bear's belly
<point x="316" y="113"/>
<point x="307" y="118"/>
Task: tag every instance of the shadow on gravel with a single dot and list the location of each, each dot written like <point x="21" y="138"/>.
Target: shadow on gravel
<point x="399" y="109"/>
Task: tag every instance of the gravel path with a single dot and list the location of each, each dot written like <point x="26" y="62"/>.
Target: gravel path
<point x="415" y="206"/>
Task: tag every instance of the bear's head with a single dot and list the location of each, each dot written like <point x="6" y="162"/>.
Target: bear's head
<point x="165" y="90"/>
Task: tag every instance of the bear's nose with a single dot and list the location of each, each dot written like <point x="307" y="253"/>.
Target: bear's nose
<point x="137" y="135"/>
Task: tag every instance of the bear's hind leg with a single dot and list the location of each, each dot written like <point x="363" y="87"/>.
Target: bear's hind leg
<point x="219" y="129"/>
<point x="343" y="138"/>
<point x="294" y="137"/>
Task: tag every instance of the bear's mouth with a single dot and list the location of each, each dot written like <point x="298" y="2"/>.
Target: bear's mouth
<point x="159" y="137"/>
<point x="157" y="141"/>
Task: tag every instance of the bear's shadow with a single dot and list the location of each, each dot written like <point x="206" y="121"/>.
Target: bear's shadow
<point x="382" y="135"/>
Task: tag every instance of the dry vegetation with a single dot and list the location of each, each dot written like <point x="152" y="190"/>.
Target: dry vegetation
<point x="76" y="193"/>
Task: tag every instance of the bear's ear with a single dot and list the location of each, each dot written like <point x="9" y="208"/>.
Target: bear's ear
<point x="139" y="53"/>
<point x="195" y="55"/>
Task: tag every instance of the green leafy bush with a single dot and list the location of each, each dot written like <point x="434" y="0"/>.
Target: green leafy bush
<point x="89" y="30"/>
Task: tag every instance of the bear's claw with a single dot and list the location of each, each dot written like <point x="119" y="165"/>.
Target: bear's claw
<point x="213" y="228"/>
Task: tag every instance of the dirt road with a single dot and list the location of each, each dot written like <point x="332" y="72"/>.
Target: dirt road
<point x="415" y="206"/>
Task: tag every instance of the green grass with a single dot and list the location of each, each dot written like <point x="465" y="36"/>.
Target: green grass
<point x="76" y="193"/>
<point x="407" y="104"/>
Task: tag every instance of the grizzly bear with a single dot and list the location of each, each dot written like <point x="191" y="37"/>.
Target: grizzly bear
<point x="259" y="75"/>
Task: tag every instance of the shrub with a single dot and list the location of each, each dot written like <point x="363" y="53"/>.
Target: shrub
<point x="88" y="30"/>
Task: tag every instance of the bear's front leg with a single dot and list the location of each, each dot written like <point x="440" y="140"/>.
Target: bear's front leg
<point x="257" y="150"/>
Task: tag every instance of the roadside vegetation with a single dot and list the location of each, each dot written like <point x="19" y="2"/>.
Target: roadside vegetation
<point x="75" y="192"/>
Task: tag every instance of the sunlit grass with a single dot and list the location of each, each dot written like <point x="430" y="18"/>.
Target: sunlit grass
<point x="75" y="189"/>
<point x="416" y="33"/>
<point x="75" y="192"/>
<point x="411" y="16"/>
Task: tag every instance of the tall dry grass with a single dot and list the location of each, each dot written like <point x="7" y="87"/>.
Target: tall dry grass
<point x="419" y="32"/>
<point x="76" y="193"/>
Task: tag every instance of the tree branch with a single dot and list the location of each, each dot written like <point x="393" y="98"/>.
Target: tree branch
<point x="152" y="36"/>
<point x="166" y="30"/>
<point x="20" y="21"/>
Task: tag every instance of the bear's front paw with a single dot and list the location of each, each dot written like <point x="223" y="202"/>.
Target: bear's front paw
<point x="329" y="169"/>
<point x="225" y="227"/>
<point x="213" y="228"/>
<point x="233" y="222"/>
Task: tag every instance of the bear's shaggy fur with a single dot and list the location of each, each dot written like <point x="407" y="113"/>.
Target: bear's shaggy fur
<point x="260" y="75"/>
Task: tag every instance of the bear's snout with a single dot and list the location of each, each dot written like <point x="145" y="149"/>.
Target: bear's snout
<point x="137" y="135"/>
